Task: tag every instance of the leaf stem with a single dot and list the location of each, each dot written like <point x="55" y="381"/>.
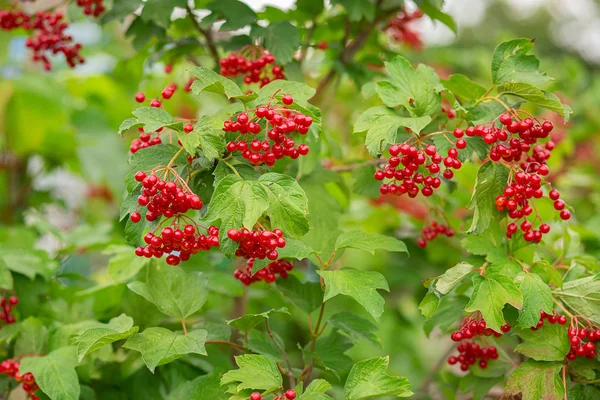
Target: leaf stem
<point x="184" y="326"/>
<point x="235" y="171"/>
<point x="283" y="354"/>
<point x="208" y="36"/>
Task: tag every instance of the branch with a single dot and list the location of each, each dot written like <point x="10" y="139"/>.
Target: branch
<point x="283" y="354"/>
<point x="208" y="36"/>
<point x="351" y="167"/>
<point x="228" y="343"/>
<point x="309" y="34"/>
<point x="352" y="48"/>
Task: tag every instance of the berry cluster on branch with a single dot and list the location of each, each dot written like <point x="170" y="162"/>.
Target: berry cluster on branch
<point x="10" y="367"/>
<point x="470" y="351"/>
<point x="47" y="35"/>
<point x="7" y="303"/>
<point x="414" y="168"/>
<point x="400" y="29"/>
<point x="253" y="62"/>
<point x="260" y="243"/>
<point x="288" y="395"/>
<point x="278" y="123"/>
<point x="431" y="231"/>
<point x="267" y="274"/>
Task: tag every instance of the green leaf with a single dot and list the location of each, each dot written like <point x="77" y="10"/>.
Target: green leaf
<point x="357" y="9"/>
<point x="382" y="124"/>
<point x="209" y="81"/>
<point x="449" y="310"/>
<point x="490" y="183"/>
<point x="430" y="303"/>
<point x="28" y="262"/>
<point x="118" y="328"/>
<point x="476" y="386"/>
<point x="360" y="285"/>
<point x="369" y="379"/>
<point x="490" y="294"/>
<point x="316" y="390"/>
<point x="330" y="352"/>
<point x="124" y="265"/>
<point x="237" y="203"/>
<point x="547" y="273"/>
<point x="511" y="63"/>
<point x="307" y="296"/>
<point x="210" y="139"/>
<point x="536" y="296"/>
<point x="355" y="327"/>
<point x="55" y="373"/>
<point x="154" y="118"/>
<point x="174" y="291"/>
<point x="452" y="277"/>
<point x="421" y="85"/>
<point x="203" y="387"/>
<point x="149" y="158"/>
<point x="10" y="332"/>
<point x="255" y="372"/>
<point x="288" y="204"/>
<point x="369" y="242"/>
<point x="583" y="392"/>
<point x="249" y="321"/>
<point x="6" y="279"/>
<point x="260" y="342"/>
<point x="160" y="346"/>
<point x="549" y="343"/>
<point x="129" y="123"/>
<point x="160" y="11"/>
<point x="33" y="338"/>
<point x="536" y="380"/>
<point x="583" y="297"/>
<point x="537" y="96"/>
<point x="282" y="40"/>
<point x="235" y="13"/>
<point x="464" y="89"/>
<point x="435" y="13"/>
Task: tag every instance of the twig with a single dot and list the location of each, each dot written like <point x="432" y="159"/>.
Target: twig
<point x="283" y="354"/>
<point x="228" y="343"/>
<point x="183" y="325"/>
<point x="351" y="167"/>
<point x="208" y="36"/>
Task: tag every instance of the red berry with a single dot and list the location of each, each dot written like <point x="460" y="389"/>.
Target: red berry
<point x="290" y="394"/>
<point x="187" y="128"/>
<point x="287" y="99"/>
<point x="255" y="396"/>
<point x="135" y="217"/>
<point x="140" y="97"/>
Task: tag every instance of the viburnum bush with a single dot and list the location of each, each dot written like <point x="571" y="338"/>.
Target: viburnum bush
<point x="294" y="209"/>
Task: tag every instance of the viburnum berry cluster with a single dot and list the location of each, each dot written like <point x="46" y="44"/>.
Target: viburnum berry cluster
<point x="470" y="352"/>
<point x="267" y="274"/>
<point x="255" y="63"/>
<point x="260" y="243"/>
<point x="516" y="144"/>
<point x="431" y="231"/>
<point x="471" y="327"/>
<point x="10" y="367"/>
<point x="94" y="8"/>
<point x="400" y="29"/>
<point x="288" y="395"/>
<point x="278" y="123"/>
<point x="551" y="318"/>
<point x="411" y="169"/>
<point x="145" y="140"/>
<point x="164" y="197"/>
<point x="582" y="342"/>
<point x="7" y="303"/>
<point x="167" y="92"/>
<point x="48" y="36"/>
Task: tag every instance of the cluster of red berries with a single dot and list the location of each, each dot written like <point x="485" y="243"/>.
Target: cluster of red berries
<point x="179" y="244"/>
<point x="259" y="244"/>
<point x="449" y="111"/>
<point x="552" y="319"/>
<point x="470" y="352"/>
<point x="7" y="303"/>
<point x="167" y="92"/>
<point x="469" y="328"/>
<point x="10" y="368"/>
<point x="404" y="164"/>
<point x="516" y="199"/>
<point x="279" y="123"/>
<point x="92" y="7"/>
<point x="289" y="395"/>
<point x="163" y="198"/>
<point x="579" y="346"/>
<point x="431" y="231"/>
<point x="400" y="30"/>
<point x="145" y="140"/>
<point x="258" y="66"/>
<point x="267" y="274"/>
<point x="48" y="35"/>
